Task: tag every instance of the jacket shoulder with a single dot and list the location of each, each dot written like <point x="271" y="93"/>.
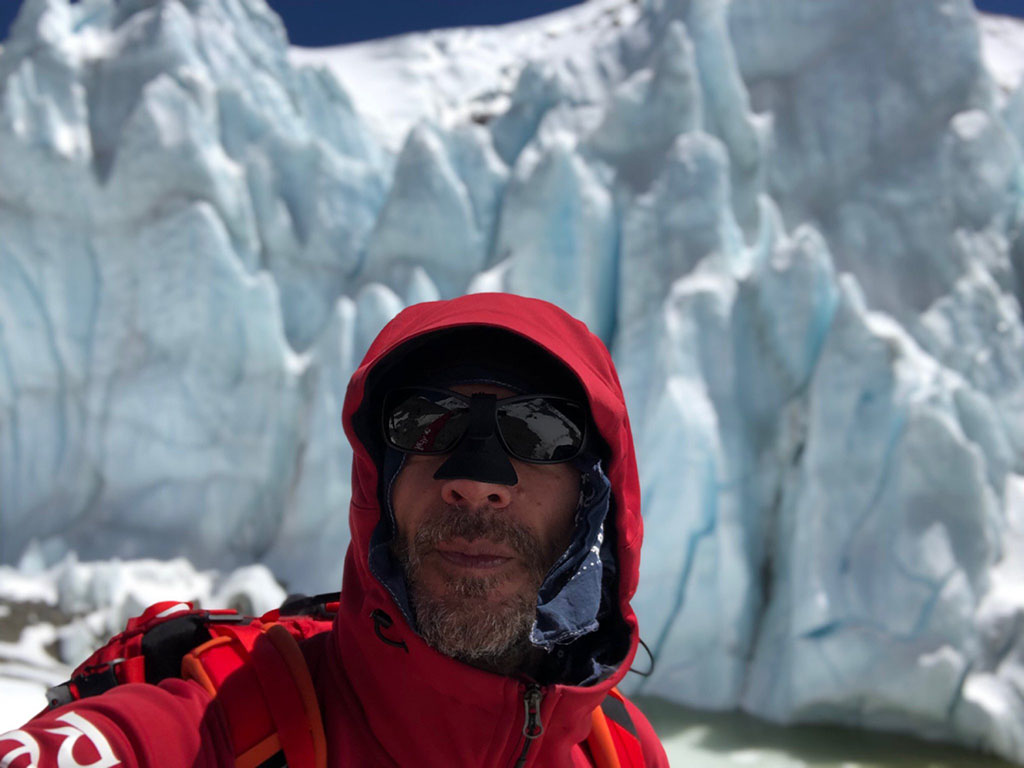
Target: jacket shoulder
<point x="653" y="750"/>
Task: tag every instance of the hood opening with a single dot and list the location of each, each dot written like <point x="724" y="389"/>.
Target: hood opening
<point x="591" y="650"/>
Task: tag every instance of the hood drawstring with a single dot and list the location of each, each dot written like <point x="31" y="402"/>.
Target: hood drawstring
<point x="383" y="620"/>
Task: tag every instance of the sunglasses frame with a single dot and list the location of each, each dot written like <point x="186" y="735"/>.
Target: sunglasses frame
<point x="584" y="428"/>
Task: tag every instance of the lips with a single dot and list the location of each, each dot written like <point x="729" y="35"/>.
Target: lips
<point x="475" y="554"/>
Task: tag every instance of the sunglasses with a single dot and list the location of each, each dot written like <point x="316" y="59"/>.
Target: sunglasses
<point x="539" y="429"/>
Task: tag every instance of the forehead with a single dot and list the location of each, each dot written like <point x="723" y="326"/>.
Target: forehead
<point x="482" y="388"/>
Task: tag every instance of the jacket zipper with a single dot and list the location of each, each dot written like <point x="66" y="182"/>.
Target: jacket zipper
<point x="532" y="725"/>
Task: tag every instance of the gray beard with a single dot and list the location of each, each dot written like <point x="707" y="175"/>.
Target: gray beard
<point x="463" y="623"/>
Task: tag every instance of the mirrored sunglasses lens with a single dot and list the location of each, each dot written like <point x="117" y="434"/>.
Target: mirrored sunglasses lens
<point x="542" y="429"/>
<point x="426" y="423"/>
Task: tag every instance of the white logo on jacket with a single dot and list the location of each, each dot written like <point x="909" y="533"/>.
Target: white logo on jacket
<point x="77" y="727"/>
<point x="28" y="747"/>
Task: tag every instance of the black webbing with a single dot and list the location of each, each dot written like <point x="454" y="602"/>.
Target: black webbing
<point x="615" y="710"/>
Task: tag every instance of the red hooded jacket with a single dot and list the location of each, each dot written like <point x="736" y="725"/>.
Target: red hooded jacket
<point x="387" y="698"/>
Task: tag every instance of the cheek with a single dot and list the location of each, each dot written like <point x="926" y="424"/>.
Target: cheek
<point x="400" y="500"/>
<point x="557" y="507"/>
<point x="567" y="524"/>
<point x="409" y="493"/>
<point x="568" y="484"/>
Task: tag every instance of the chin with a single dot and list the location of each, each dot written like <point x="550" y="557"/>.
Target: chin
<point x="484" y="631"/>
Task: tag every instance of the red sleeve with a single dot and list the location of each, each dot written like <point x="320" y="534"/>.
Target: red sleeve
<point x="654" y="752"/>
<point x="134" y="726"/>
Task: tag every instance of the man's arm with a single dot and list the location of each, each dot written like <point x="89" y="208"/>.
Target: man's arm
<point x="134" y="726"/>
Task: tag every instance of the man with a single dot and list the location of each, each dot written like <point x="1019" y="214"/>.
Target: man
<point x="484" y="615"/>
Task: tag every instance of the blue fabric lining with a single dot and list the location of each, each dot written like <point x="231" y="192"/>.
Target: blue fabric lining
<point x="383" y="565"/>
<point x="570" y="597"/>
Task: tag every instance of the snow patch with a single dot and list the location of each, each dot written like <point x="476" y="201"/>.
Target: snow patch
<point x="1002" y="47"/>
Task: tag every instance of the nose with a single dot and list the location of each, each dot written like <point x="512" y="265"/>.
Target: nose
<point x="475" y="493"/>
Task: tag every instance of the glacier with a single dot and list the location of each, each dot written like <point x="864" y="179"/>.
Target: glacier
<point x="798" y="227"/>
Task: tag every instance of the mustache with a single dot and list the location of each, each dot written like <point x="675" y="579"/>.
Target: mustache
<point x="454" y="522"/>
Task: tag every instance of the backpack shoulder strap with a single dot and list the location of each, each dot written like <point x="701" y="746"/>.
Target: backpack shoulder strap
<point x="261" y="683"/>
<point x="614" y="741"/>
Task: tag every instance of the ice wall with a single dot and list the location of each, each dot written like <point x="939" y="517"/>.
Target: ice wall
<point x="180" y="212"/>
<point x="796" y="225"/>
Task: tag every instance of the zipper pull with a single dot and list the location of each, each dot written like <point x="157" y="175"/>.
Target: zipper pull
<point x="532" y="725"/>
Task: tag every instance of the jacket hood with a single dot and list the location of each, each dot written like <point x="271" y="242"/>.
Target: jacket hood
<point x="370" y="625"/>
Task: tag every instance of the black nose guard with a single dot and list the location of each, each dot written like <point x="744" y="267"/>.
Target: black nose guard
<point x="480" y="455"/>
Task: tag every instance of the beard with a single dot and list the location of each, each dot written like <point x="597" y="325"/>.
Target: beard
<point x="465" y="621"/>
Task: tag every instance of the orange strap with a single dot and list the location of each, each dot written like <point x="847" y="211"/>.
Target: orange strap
<point x="602" y="748"/>
<point x="266" y="693"/>
<point x="289" y="695"/>
<point x="193" y="668"/>
<point x="285" y="644"/>
<point x="259" y="754"/>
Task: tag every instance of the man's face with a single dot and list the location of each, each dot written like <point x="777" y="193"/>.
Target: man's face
<point x="476" y="553"/>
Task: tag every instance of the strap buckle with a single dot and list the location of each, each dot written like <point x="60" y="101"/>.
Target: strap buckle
<point x="91" y="683"/>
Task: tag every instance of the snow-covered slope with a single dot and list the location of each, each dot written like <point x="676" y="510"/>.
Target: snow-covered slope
<point x="797" y="226"/>
<point x="1002" y="49"/>
<point x="54" y="617"/>
<point x="455" y="75"/>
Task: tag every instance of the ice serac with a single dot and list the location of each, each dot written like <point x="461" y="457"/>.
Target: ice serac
<point x="440" y="211"/>
<point x="650" y="109"/>
<point x="314" y="515"/>
<point x="666" y="231"/>
<point x="558" y="234"/>
<point x="860" y="114"/>
<point x="797" y="225"/>
<point x="180" y="211"/>
<point x="890" y="534"/>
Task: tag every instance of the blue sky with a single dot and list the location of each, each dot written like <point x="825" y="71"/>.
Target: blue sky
<point x="310" y="23"/>
<point x="1008" y="7"/>
<point x="363" y="20"/>
<point x="320" y="22"/>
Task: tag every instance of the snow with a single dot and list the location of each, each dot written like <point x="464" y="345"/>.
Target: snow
<point x="25" y="587"/>
<point x="1002" y="47"/>
<point x="797" y="228"/>
<point x="452" y="75"/>
<point x="21" y="699"/>
<point x="93" y="601"/>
